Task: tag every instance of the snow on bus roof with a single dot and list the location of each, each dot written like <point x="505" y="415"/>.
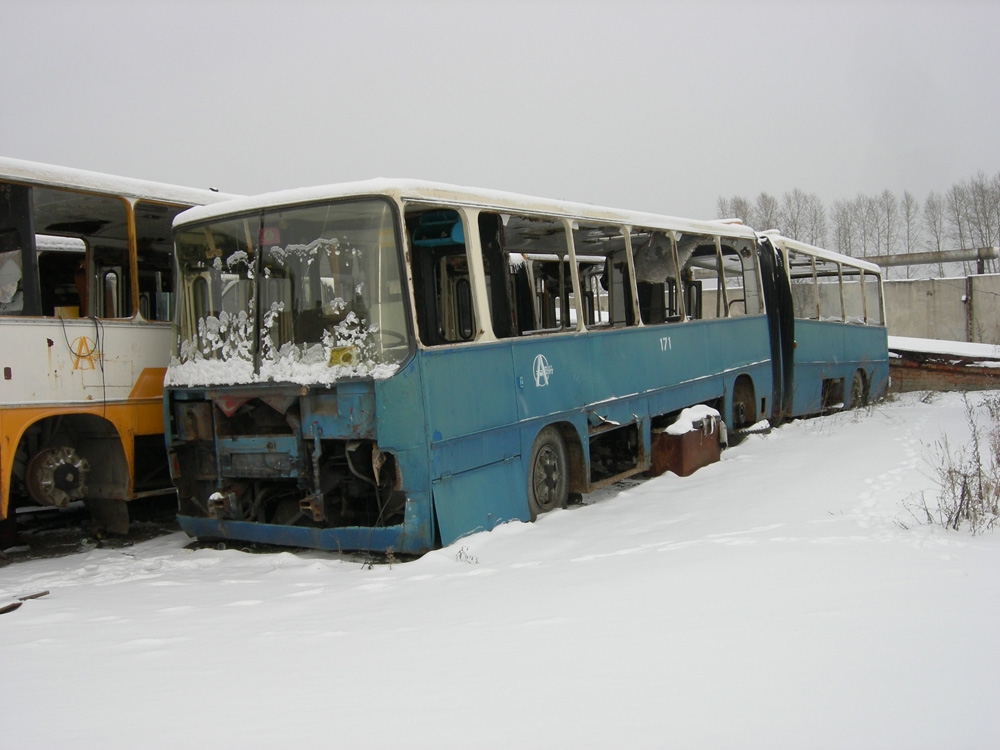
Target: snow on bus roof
<point x="50" y="175"/>
<point x="779" y="239"/>
<point x="420" y="190"/>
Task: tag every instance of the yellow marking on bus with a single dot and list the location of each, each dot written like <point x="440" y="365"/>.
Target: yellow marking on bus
<point x="149" y="384"/>
<point x="84" y="353"/>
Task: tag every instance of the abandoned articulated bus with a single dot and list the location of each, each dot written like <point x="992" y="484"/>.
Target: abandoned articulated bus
<point x="392" y="365"/>
<point x="86" y="298"/>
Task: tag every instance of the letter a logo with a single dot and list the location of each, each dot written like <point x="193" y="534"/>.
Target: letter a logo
<point x="541" y="370"/>
<point x="84" y="350"/>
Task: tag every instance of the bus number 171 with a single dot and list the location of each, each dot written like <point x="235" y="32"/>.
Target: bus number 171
<point x="665" y="344"/>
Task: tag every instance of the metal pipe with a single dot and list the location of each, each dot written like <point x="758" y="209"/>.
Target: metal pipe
<point x="942" y="256"/>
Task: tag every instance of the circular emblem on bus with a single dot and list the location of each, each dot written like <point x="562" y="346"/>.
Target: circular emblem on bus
<point x="542" y="370"/>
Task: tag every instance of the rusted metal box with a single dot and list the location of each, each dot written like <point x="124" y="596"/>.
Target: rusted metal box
<point x="684" y="454"/>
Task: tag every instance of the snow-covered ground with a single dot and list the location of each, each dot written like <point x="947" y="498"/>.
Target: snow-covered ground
<point x="958" y="349"/>
<point x="782" y="598"/>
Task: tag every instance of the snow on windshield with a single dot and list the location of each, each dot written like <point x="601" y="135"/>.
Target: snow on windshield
<point x="316" y="311"/>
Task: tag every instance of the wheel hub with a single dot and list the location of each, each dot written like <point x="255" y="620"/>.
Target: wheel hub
<point x="57" y="476"/>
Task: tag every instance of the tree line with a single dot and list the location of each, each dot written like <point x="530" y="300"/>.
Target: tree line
<point x="966" y="216"/>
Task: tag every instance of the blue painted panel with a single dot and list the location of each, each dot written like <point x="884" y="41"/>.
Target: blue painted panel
<point x="673" y="365"/>
<point x="348" y="538"/>
<point x="467" y="390"/>
<point x="818" y="345"/>
<point x="553" y="373"/>
<point x="400" y="410"/>
<point x="478" y="500"/>
<point x="415" y="535"/>
<point x="869" y="346"/>
<point x="835" y="350"/>
<point x="345" y="411"/>
<point x="625" y="362"/>
<point x="465" y="453"/>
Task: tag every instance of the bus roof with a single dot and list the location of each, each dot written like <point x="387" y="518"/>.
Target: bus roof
<point x="782" y="242"/>
<point x="433" y="192"/>
<point x="49" y="175"/>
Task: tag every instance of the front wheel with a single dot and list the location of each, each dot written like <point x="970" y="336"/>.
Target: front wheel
<point x="548" y="475"/>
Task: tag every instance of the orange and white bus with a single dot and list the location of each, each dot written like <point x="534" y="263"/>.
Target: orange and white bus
<point x="86" y="296"/>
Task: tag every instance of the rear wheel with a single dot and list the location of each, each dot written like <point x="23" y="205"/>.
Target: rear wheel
<point x="857" y="397"/>
<point x="548" y="476"/>
<point x="744" y="411"/>
<point x="56" y="476"/>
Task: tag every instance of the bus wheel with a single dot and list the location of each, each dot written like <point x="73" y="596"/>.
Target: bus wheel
<point x="56" y="476"/>
<point x="548" y="476"/>
<point x="857" y="397"/>
<point x="744" y="411"/>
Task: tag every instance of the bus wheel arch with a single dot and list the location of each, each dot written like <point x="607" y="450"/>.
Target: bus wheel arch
<point x="744" y="404"/>
<point x="548" y="474"/>
<point x="77" y="457"/>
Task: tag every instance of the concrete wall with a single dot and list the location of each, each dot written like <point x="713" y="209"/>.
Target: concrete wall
<point x="953" y="309"/>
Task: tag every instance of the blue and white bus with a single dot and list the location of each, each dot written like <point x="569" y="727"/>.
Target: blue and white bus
<point x="392" y="365"/>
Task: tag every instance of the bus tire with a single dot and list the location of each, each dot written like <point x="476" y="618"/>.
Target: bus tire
<point x="548" y="474"/>
<point x="858" y="395"/>
<point x="744" y="410"/>
<point x="56" y="476"/>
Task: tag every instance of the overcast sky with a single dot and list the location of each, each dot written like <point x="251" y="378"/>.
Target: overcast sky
<point x="658" y="106"/>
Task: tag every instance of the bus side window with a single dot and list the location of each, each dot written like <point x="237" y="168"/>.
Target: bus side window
<point x="655" y="261"/>
<point x="62" y="263"/>
<point x="611" y="295"/>
<point x="155" y="252"/>
<point x="18" y="278"/>
<point x="529" y="280"/>
<point x="441" y="285"/>
<point x="705" y="295"/>
<point x="739" y="265"/>
<point x="873" y="299"/>
<point x="854" y="305"/>
<point x="802" y="281"/>
<point x="499" y="275"/>
<point x="692" y="299"/>
<point x="104" y="232"/>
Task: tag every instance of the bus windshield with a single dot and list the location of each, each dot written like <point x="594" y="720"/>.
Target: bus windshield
<point x="303" y="294"/>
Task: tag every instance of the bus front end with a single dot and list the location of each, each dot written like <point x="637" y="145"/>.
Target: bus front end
<point x="291" y="331"/>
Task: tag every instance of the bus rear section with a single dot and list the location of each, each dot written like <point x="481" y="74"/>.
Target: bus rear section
<point x="835" y="349"/>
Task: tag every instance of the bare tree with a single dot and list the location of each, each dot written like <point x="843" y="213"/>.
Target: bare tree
<point x="815" y="221"/>
<point x="866" y="220"/>
<point x="910" y="214"/>
<point x="983" y="205"/>
<point x="736" y="207"/>
<point x="888" y="223"/>
<point x="794" y="213"/>
<point x="934" y="224"/>
<point x="843" y="227"/>
<point x="967" y="215"/>
<point x="767" y="213"/>
<point x="958" y="220"/>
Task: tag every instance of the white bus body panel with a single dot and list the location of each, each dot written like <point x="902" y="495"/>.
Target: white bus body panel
<point x="78" y="360"/>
